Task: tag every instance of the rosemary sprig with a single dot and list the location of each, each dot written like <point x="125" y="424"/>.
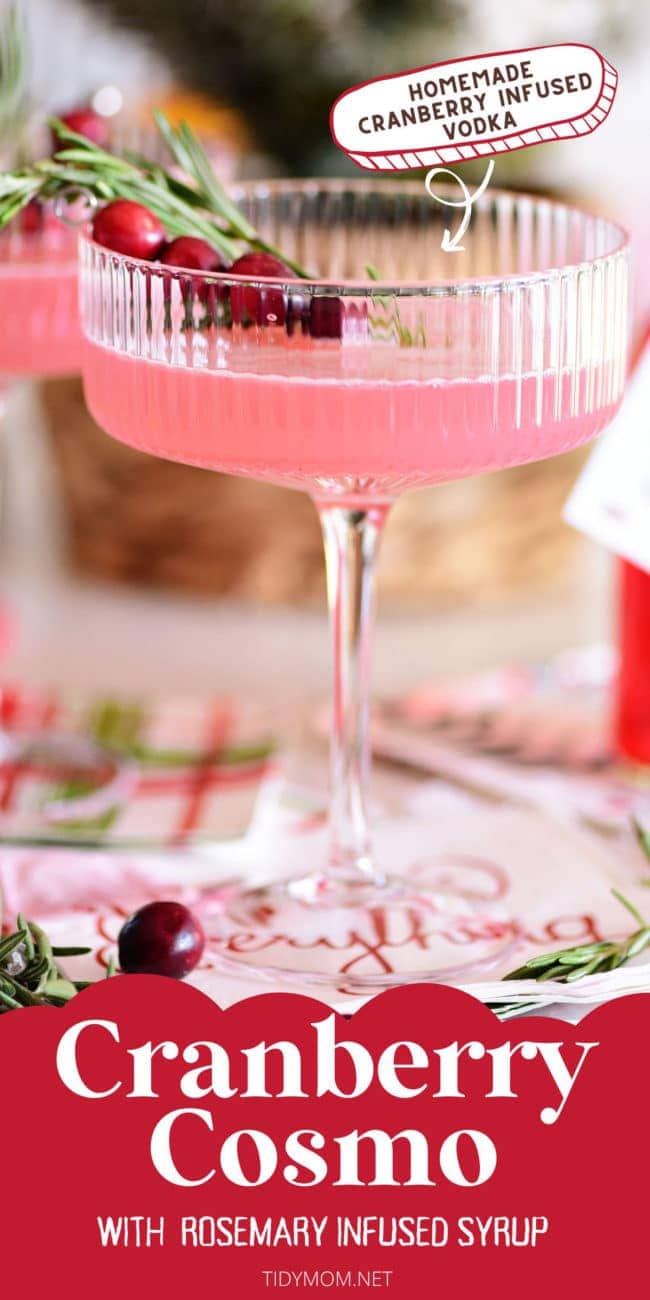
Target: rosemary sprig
<point x="570" y="964"/>
<point x="508" y="1010"/>
<point x="390" y="324"/>
<point x="194" y="204"/>
<point x="29" y="974"/>
<point x="643" y="839"/>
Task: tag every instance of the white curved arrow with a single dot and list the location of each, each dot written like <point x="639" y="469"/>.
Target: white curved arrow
<point x="451" y="244"/>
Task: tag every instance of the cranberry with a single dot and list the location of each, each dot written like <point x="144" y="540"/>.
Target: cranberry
<point x="129" y="228"/>
<point x="85" y="121"/>
<point x="32" y="217"/>
<point x="191" y="254"/>
<point x="326" y="318"/>
<point x="161" y="939"/>
<point x="259" y="304"/>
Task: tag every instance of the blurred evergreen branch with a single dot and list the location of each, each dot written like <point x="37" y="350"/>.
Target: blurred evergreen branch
<point x="15" y="103"/>
<point x="282" y="63"/>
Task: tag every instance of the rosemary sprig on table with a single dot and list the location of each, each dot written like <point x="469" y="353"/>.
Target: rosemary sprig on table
<point x="189" y="201"/>
<point x="29" y="975"/>
<point x="643" y="840"/>
<point x="567" y="965"/>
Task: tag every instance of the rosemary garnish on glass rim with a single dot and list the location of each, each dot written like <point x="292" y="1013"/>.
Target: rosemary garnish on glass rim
<point x="194" y="203"/>
<point x="189" y="199"/>
<point x="391" y="325"/>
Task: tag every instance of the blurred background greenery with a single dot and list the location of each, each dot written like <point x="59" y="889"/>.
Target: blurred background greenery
<point x="280" y="63"/>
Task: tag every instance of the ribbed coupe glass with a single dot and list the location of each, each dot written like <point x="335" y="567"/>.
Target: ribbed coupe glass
<point x="397" y="366"/>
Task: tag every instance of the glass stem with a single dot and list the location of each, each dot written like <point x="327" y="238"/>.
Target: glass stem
<point x="351" y="539"/>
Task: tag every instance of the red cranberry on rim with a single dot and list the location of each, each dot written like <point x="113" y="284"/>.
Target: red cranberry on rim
<point x="263" y="304"/>
<point x="192" y="254"/>
<point x="32" y="217"/>
<point x="129" y="228"/>
<point x="85" y="121"/>
<point x="161" y="938"/>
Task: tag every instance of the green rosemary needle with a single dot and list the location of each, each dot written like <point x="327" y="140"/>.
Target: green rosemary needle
<point x="195" y="203"/>
<point x="29" y="974"/>
<point x="570" y="964"/>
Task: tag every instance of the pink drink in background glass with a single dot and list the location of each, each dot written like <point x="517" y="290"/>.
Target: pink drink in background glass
<point x="39" y="318"/>
<point x="40" y="333"/>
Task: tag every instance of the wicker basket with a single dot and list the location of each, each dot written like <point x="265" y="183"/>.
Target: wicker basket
<point x="137" y="519"/>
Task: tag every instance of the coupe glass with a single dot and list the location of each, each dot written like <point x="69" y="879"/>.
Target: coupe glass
<point x="397" y="366"/>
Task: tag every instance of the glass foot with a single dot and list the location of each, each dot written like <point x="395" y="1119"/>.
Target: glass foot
<point x="358" y="936"/>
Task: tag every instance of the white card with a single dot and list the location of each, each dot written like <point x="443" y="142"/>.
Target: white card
<point x="611" y="500"/>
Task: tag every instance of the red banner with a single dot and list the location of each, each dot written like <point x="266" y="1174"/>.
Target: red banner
<point x="152" y="1142"/>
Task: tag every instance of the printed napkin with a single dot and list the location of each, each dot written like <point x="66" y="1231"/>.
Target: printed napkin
<point x="148" y="774"/>
<point x="504" y="882"/>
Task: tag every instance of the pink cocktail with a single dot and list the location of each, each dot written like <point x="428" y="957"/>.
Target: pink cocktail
<point x="367" y="436"/>
<point x="39" y="318"/>
<point x="355" y="389"/>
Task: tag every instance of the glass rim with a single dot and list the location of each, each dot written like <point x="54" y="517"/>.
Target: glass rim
<point x="372" y="288"/>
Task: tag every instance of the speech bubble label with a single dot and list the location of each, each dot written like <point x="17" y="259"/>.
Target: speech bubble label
<point x="474" y="107"/>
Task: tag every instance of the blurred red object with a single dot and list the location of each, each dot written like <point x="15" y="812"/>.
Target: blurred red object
<point x="633" y="691"/>
<point x="632" y="706"/>
<point x="7" y="629"/>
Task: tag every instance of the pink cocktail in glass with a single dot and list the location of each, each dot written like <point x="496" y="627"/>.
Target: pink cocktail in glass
<point x="39" y="317"/>
<point x="305" y="428"/>
<point x="356" y="389"/>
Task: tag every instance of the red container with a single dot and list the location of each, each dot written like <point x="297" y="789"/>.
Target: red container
<point x="633" y="690"/>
